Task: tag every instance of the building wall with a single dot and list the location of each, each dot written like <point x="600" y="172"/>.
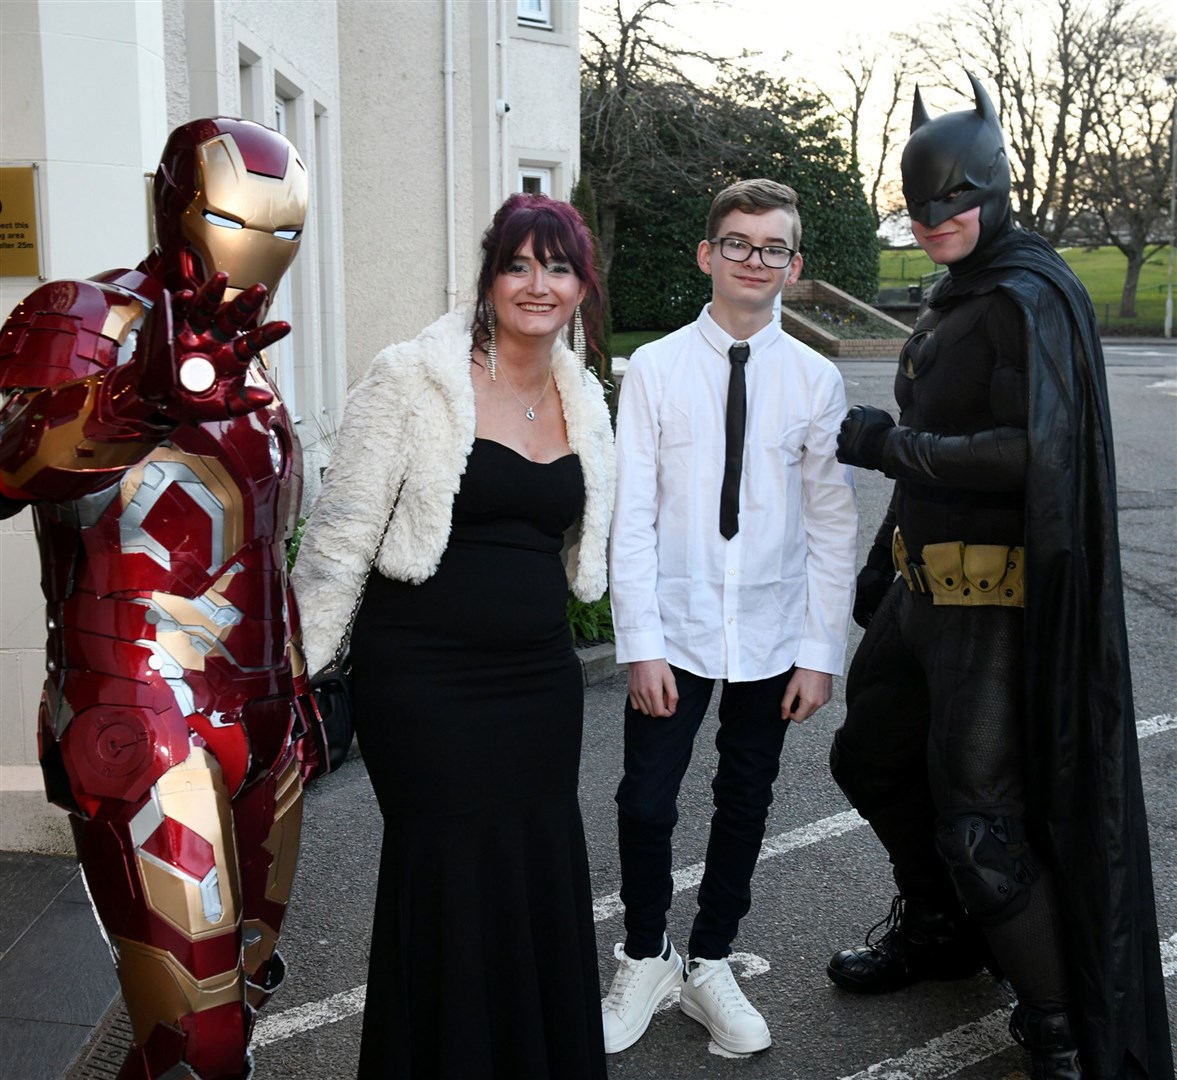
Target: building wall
<point x="394" y="131"/>
<point x="91" y="162"/>
<point x="394" y="194"/>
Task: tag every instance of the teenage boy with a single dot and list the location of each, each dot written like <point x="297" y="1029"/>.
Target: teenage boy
<point x="732" y="558"/>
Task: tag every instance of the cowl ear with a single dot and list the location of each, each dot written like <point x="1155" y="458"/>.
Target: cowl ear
<point x="919" y="115"/>
<point x="985" y="108"/>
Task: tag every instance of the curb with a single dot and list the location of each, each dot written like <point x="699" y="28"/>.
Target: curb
<point x="599" y="663"/>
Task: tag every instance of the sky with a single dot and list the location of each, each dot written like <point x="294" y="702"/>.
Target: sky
<point x="811" y="32"/>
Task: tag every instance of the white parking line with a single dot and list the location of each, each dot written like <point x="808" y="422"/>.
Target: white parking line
<point x="946" y="1054"/>
<point x="968" y="1044"/>
<point x="283" y="1025"/>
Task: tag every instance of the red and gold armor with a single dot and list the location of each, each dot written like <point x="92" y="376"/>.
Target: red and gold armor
<point x="137" y="419"/>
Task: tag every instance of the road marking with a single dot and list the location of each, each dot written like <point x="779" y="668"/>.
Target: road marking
<point x="1169" y="957"/>
<point x="283" y="1025"/>
<point x="946" y="1054"/>
<point x="1154" y="725"/>
<point x="970" y="1043"/>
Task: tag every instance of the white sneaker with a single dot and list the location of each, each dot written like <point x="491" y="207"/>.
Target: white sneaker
<point x="638" y="987"/>
<point x="711" y="995"/>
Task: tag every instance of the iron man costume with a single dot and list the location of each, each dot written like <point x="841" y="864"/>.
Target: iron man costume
<point x="164" y="474"/>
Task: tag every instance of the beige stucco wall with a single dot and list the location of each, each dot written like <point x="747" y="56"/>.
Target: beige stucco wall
<point x="394" y="201"/>
<point x="394" y="195"/>
<point x="91" y="161"/>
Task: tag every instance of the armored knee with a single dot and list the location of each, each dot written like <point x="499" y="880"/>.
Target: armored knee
<point x="991" y="867"/>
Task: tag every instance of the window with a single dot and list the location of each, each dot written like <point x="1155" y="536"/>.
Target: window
<point x="281" y="353"/>
<point x="535" y="180"/>
<point x="534" y="13"/>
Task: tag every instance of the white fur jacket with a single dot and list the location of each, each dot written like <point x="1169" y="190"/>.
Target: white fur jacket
<point x="411" y="419"/>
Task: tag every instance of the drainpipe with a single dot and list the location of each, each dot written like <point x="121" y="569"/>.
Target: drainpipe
<point x="451" y="257"/>
<point x="504" y="106"/>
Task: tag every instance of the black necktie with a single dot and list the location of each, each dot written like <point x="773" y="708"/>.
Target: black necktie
<point x="737" y="411"/>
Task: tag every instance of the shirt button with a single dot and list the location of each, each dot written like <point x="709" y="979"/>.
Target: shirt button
<point x="731" y="573"/>
<point x="730" y="621"/>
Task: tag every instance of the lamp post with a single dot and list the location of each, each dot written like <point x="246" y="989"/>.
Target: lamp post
<point x="1170" y="80"/>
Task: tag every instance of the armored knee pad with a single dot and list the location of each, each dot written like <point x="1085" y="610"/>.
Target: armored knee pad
<point x="990" y="865"/>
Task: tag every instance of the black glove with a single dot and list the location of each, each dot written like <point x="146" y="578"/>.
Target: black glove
<point x="863" y="434"/>
<point x="872" y="584"/>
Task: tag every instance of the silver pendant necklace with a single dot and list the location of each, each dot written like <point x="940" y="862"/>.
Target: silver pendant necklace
<point x="529" y="410"/>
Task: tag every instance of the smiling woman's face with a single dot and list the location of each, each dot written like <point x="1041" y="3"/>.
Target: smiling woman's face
<point x="534" y="299"/>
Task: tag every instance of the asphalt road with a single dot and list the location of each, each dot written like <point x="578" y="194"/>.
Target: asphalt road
<point x="823" y="879"/>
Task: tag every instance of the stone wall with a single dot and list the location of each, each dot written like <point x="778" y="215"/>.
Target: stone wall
<point x="819" y="292"/>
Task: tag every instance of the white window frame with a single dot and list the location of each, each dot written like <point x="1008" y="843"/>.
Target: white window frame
<point x="542" y="173"/>
<point x="534" y="13"/>
<point x="282" y="306"/>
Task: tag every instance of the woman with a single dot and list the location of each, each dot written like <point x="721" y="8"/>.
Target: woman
<point x="494" y="444"/>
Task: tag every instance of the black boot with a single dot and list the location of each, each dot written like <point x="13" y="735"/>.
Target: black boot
<point x="921" y="942"/>
<point x="1048" y="1036"/>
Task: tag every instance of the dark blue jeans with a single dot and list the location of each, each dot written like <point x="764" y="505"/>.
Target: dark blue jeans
<point x="657" y="753"/>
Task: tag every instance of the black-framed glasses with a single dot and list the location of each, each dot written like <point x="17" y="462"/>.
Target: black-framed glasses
<point x="774" y="256"/>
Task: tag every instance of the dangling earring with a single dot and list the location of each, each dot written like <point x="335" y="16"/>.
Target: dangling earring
<point x="492" y="356"/>
<point x="578" y="340"/>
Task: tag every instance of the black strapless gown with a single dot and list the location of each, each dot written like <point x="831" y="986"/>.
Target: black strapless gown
<point x="469" y="708"/>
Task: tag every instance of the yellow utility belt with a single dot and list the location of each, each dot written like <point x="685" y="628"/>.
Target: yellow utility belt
<point x="965" y="574"/>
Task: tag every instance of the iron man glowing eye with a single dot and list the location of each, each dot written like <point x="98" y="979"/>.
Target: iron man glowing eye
<point x="287" y="234"/>
<point x="223" y="222"/>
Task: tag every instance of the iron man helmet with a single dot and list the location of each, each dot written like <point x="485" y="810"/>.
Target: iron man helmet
<point x="230" y="195"/>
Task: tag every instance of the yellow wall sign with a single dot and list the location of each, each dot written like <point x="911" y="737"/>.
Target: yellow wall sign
<point x="18" y="222"/>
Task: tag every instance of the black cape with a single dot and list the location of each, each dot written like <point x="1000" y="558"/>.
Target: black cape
<point x="1087" y="801"/>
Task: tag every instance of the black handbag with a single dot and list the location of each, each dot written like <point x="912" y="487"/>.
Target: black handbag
<point x="332" y="725"/>
<point x="332" y="721"/>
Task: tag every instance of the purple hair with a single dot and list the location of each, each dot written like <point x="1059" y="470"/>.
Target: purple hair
<point x="556" y="230"/>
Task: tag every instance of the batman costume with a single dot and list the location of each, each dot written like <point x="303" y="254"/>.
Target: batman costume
<point x="990" y="738"/>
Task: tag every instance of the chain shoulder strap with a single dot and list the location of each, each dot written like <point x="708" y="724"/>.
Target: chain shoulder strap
<point x="345" y="641"/>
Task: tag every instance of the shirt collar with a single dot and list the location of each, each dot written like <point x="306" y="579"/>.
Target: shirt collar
<point x="721" y="341"/>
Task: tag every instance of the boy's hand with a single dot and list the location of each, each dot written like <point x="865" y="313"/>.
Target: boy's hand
<point x="652" y="689"/>
<point x="807" y="692"/>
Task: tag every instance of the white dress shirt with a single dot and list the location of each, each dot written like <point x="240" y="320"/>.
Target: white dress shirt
<point x="779" y="592"/>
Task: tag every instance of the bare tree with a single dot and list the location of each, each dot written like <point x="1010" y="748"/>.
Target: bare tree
<point x="1086" y="118"/>
<point x="644" y="125"/>
<point x="900" y="75"/>
<point x="1040" y="94"/>
<point x="1127" y="167"/>
<point x="860" y="63"/>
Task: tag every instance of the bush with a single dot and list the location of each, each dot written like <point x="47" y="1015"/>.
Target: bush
<point x="654" y="281"/>
<point x="591" y="623"/>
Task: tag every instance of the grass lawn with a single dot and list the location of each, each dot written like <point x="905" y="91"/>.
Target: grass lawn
<point x="1101" y="270"/>
<point x="625" y="341"/>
